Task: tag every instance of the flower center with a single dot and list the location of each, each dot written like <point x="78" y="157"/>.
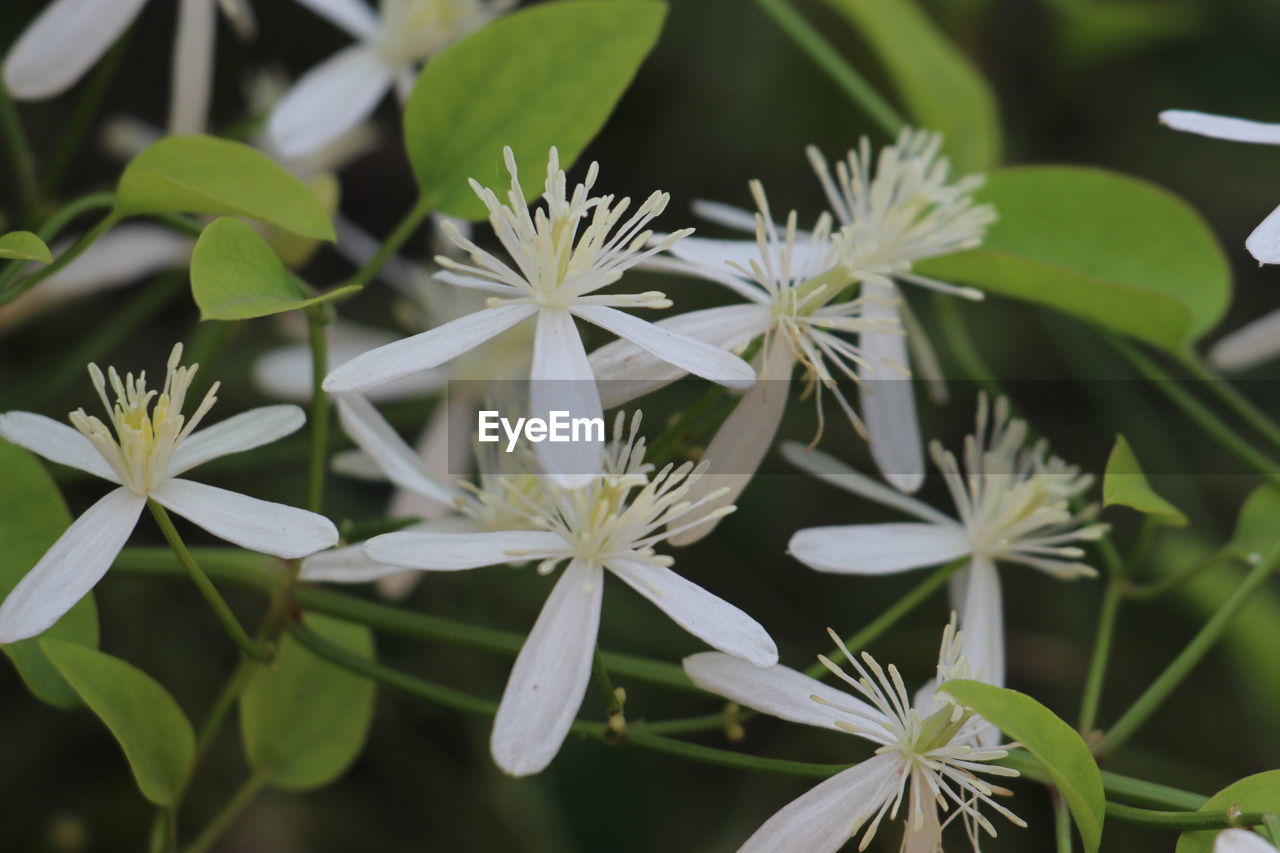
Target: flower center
<point x="148" y="425"/>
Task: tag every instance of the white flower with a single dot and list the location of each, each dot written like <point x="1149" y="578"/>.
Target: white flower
<point x="928" y="755"/>
<point x="144" y="446"/>
<point x="1013" y="503"/>
<point x="69" y="36"/>
<point x="611" y="525"/>
<point x="1258" y="341"/>
<point x="563" y="255"/>
<point x="792" y="281"/>
<point x="338" y="94"/>
<point x="1241" y="841"/>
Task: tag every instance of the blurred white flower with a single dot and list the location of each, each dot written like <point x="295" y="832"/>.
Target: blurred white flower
<point x="792" y="281"/>
<point x="1258" y="341"/>
<point x="143" y="447"/>
<point x="69" y="36"/>
<point x="928" y="755"/>
<point x="1013" y="502"/>
<point x="564" y="255"/>
<point x="345" y="89"/>
<point x="1241" y="841"/>
<point x="612" y="526"/>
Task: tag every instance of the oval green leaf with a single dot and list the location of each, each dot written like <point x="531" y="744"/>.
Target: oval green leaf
<point x="1257" y="793"/>
<point x="1115" y="251"/>
<point x="24" y="246"/>
<point x="155" y="735"/>
<point x="548" y="75"/>
<point x="1054" y="743"/>
<point x="235" y="275"/>
<point x="1258" y="524"/>
<point x="1125" y="485"/>
<point x="218" y="177"/>
<point x="32" y="517"/>
<point x="304" y="720"/>
<point x="939" y="87"/>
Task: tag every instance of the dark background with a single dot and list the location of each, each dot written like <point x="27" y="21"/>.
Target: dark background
<point x="724" y="98"/>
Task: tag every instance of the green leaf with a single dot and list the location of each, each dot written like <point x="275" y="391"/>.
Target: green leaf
<point x="155" y="735"/>
<point x="235" y="275"/>
<point x="1258" y="524"/>
<point x="939" y="87"/>
<point x="1257" y="793"/>
<point x="548" y="75"/>
<point x="1115" y="251"/>
<point x="218" y="177"/>
<point x="1125" y="485"/>
<point x="304" y="720"/>
<point x="24" y="246"/>
<point x="32" y="517"/>
<point x="1054" y="743"/>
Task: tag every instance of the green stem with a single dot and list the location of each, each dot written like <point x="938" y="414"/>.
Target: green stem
<point x="21" y="160"/>
<point x="17" y="288"/>
<point x="1157" y="588"/>
<point x="226" y="816"/>
<point x="604" y="684"/>
<point x="221" y="707"/>
<point x="1190" y="656"/>
<point x="1112" y="595"/>
<point x="1233" y="399"/>
<point x="890" y="616"/>
<point x="1198" y="413"/>
<point x="1181" y="821"/>
<point x="318" y="462"/>
<point x="206" y="587"/>
<point x="86" y="110"/>
<point x="1061" y="823"/>
<point x="826" y="57"/>
<point x="1139" y="791"/>
<point x="415" y="217"/>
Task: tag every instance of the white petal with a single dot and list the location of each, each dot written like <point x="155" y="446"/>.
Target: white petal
<point x="982" y="621"/>
<point x="56" y="442"/>
<point x="716" y="255"/>
<point x="777" y="690"/>
<point x="823" y="819"/>
<point x="877" y="549"/>
<point x="256" y="525"/>
<point x="889" y="403"/>
<point x="329" y="100"/>
<point x="1264" y="242"/>
<point x="625" y="371"/>
<point x="1222" y="127"/>
<point x="1241" y="841"/>
<point x="744" y="438"/>
<point x="698" y="357"/>
<point x="449" y="552"/>
<point x="424" y="351"/>
<point x="354" y="16"/>
<point x="831" y="470"/>
<point x="193" y="48"/>
<point x="125" y="254"/>
<point x="727" y="215"/>
<point x="561" y="381"/>
<point x="713" y="620"/>
<point x="346" y="565"/>
<point x="62" y="43"/>
<point x="70" y="568"/>
<point x="236" y="434"/>
<point x="1249" y="345"/>
<point x="550" y="675"/>
<point x="397" y="460"/>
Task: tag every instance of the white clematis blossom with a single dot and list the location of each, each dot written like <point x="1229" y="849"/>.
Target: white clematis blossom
<point x="1258" y="341"/>
<point x="928" y="755"/>
<point x="144" y="447"/>
<point x="611" y="526"/>
<point x="1241" y="841"/>
<point x="563" y="256"/>
<point x="1013" y="502"/>
<point x="69" y="36"/>
<point x="344" y="90"/>
<point x="792" y="281"/>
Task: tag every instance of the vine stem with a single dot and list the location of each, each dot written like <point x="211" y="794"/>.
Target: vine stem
<point x="220" y="607"/>
<point x="826" y="57"/>
<point x="227" y="815"/>
<point x="85" y="110"/>
<point x="1232" y="398"/>
<point x="417" y="214"/>
<point x="55" y="223"/>
<point x="1061" y="823"/>
<point x="1189" y="657"/>
<point x="317" y="467"/>
<point x="21" y="160"/>
<point x="21" y="286"/>
<point x="1224" y="819"/>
